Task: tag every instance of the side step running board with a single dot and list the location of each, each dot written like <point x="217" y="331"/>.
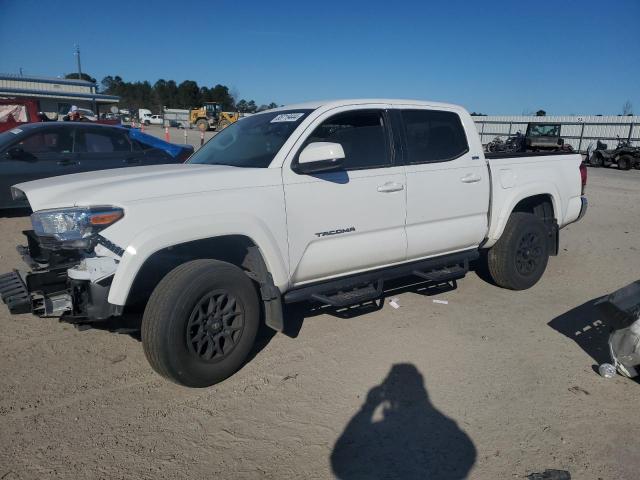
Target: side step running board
<point x="352" y="297"/>
<point x="446" y="274"/>
<point x="439" y="269"/>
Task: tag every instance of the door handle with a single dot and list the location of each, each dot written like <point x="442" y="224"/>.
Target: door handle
<point x="470" y="178"/>
<point x="66" y="162"/>
<point x="390" y="187"/>
<point x="131" y="160"/>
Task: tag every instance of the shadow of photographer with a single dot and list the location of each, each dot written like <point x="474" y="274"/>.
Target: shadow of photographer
<point x="398" y="433"/>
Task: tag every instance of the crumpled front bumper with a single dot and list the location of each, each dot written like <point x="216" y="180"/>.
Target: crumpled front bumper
<point x="64" y="285"/>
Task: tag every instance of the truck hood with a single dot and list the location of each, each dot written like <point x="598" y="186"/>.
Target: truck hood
<point x="127" y="185"/>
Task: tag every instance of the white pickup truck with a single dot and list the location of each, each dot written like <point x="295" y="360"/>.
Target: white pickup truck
<point x="319" y="201"/>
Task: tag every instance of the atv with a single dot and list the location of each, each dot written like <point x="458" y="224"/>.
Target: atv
<point x="624" y="155"/>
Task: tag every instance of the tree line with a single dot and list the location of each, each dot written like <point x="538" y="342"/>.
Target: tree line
<point x="169" y="94"/>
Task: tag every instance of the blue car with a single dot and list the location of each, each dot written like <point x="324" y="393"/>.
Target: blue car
<point x="48" y="149"/>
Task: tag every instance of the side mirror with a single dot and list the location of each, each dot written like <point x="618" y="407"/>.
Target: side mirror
<point x="320" y="157"/>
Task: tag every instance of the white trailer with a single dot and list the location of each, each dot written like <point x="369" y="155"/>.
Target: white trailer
<point x="176" y="117"/>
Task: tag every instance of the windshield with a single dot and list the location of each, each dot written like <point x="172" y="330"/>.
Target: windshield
<point x="251" y="141"/>
<point x="544" y="130"/>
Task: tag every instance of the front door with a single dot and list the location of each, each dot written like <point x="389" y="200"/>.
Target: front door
<point x="350" y="220"/>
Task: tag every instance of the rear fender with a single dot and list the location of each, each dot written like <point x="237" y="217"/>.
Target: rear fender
<point x="505" y="201"/>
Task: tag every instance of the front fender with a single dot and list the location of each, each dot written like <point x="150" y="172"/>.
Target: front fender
<point x="162" y="235"/>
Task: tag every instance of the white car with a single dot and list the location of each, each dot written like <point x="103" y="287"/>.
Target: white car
<point x="320" y="201"/>
<point x="155" y="120"/>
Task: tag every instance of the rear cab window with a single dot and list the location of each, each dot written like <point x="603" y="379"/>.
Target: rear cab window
<point x="433" y="136"/>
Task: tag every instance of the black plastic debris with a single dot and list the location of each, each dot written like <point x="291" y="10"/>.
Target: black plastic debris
<point x="550" y="474"/>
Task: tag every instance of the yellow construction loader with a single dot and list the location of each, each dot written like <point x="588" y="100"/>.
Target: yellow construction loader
<point x="211" y="117"/>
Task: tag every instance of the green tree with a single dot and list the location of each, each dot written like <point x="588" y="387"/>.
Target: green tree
<point x="189" y="95"/>
<point x="84" y="76"/>
<point x="220" y="94"/>
<point x="241" y="106"/>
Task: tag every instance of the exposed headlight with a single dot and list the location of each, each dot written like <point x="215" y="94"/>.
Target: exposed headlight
<point x="74" y="226"/>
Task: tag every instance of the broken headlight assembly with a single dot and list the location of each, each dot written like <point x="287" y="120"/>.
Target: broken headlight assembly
<point x="75" y="227"/>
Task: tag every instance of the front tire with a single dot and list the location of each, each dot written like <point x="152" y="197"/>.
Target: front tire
<point x="200" y="323"/>
<point x="519" y="258"/>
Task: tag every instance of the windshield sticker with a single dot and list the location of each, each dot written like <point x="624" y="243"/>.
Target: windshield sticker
<point x="287" y="117"/>
<point x="16" y="131"/>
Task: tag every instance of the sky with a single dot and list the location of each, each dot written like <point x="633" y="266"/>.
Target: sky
<point x="494" y="57"/>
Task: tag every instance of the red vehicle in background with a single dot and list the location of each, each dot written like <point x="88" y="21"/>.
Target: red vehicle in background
<point x="18" y="111"/>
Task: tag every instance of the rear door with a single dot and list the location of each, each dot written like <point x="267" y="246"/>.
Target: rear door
<point x="447" y="184"/>
<point x="102" y="148"/>
<point x="47" y="152"/>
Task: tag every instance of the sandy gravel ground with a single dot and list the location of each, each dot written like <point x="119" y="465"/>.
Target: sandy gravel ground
<point x="493" y="385"/>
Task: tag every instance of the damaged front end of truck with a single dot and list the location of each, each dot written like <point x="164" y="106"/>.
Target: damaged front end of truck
<point x="71" y="266"/>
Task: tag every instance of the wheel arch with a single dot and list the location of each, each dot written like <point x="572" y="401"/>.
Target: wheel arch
<point x="543" y="202"/>
<point x="227" y="248"/>
<point x="157" y="251"/>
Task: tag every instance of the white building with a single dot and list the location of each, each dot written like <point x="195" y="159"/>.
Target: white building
<point x="578" y="130"/>
<point x="56" y="95"/>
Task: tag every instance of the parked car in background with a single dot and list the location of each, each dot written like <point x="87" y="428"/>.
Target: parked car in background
<point x="15" y="112"/>
<point x="87" y="114"/>
<point x="41" y="150"/>
<point x="155" y="120"/>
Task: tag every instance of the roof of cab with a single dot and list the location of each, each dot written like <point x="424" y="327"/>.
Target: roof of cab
<point x="328" y="104"/>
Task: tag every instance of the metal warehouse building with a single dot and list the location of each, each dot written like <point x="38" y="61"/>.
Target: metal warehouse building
<point x="578" y="130"/>
<point x="56" y="95"/>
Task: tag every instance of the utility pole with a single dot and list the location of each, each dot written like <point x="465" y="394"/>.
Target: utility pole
<point x="77" y="54"/>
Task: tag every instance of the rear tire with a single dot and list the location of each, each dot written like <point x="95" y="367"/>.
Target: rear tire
<point x="519" y="258"/>
<point x="200" y="323"/>
<point x="624" y="162"/>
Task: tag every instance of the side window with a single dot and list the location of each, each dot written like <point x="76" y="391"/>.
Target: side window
<point x="362" y="136"/>
<point x="433" y="136"/>
<point x="56" y="141"/>
<point x="105" y="142"/>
